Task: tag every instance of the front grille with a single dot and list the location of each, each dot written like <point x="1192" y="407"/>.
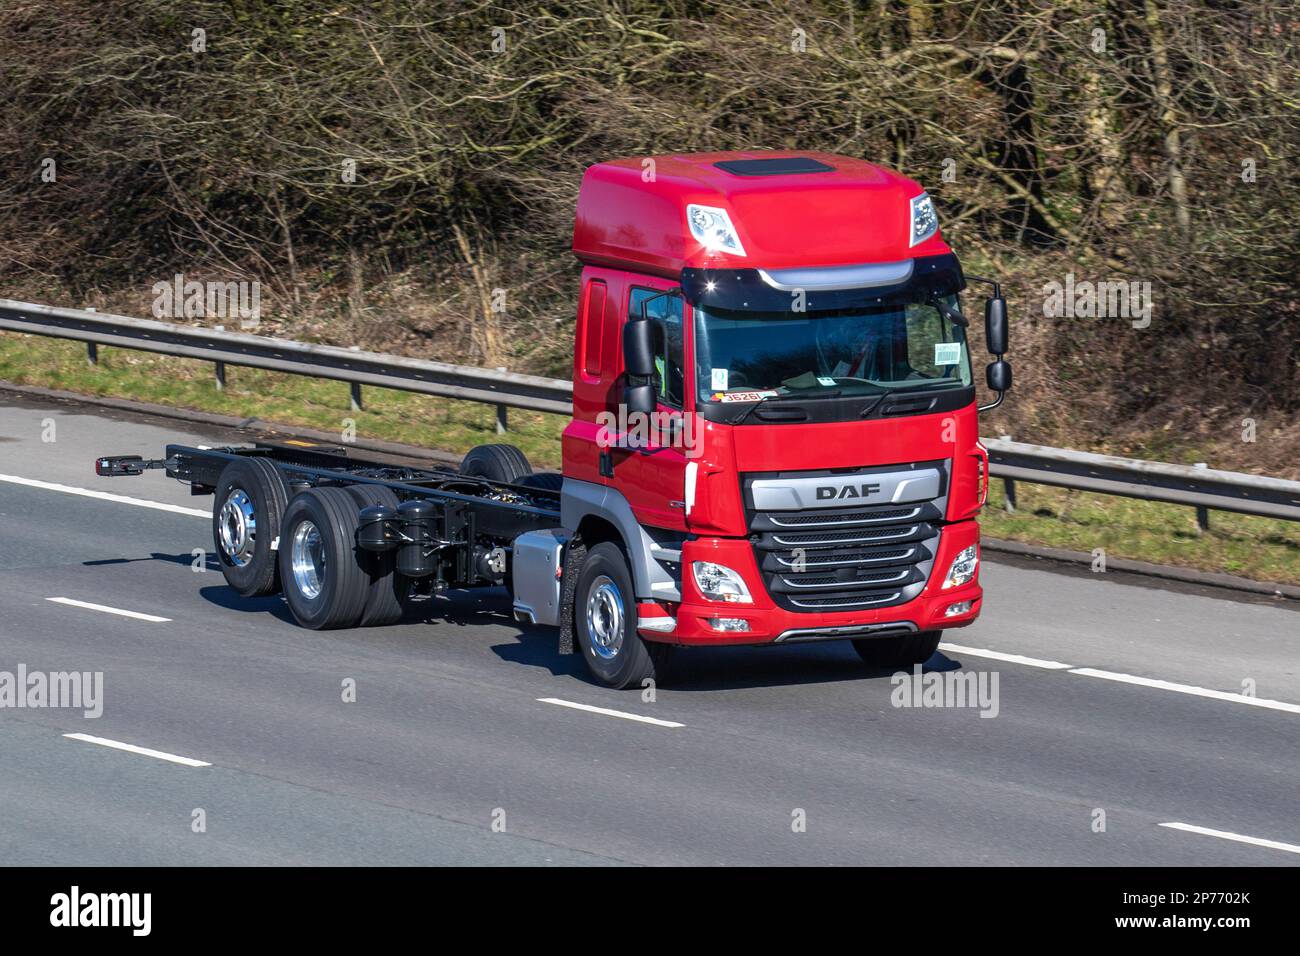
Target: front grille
<point x="848" y="602"/>
<point x="793" y="519"/>
<point x="843" y="560"/>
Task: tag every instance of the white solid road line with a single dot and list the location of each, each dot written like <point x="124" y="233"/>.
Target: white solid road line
<point x="109" y="610"/>
<point x="1235" y="837"/>
<point x="1189" y="689"/>
<point x="1009" y="658"/>
<point x="610" y="713"/>
<point x="106" y="496"/>
<point x="1126" y="678"/>
<point x="145" y="751"/>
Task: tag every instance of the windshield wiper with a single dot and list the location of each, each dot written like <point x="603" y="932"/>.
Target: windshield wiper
<point x="778" y="399"/>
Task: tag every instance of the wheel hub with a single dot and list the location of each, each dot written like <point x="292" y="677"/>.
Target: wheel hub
<point x="237" y="527"/>
<point x="605" y="618"/>
<point x="307" y="557"/>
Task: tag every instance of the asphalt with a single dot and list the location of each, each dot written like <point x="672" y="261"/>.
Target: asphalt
<point x="448" y="755"/>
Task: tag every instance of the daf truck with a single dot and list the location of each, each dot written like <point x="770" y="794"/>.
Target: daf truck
<point x="774" y="439"/>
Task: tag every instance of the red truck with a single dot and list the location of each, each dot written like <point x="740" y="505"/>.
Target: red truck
<point x="774" y="438"/>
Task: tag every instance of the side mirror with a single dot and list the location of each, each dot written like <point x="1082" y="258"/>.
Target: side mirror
<point x="995" y="326"/>
<point x="640" y="399"/>
<point x="998" y="376"/>
<point x="638" y="348"/>
<point x="639" y="364"/>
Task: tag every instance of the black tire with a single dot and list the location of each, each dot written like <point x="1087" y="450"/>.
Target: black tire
<point x="619" y="658"/>
<point x="341" y="586"/>
<point x="504" y="463"/>
<point x="389" y="592"/>
<point x="901" y="651"/>
<point x="247" y="508"/>
<point x="545" y="480"/>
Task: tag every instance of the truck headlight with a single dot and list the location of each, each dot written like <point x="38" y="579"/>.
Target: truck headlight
<point x="712" y="228"/>
<point x="963" y="568"/>
<point x="719" y="583"/>
<point x="925" y="221"/>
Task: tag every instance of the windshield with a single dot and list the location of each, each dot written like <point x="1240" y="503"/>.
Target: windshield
<point x="751" y="356"/>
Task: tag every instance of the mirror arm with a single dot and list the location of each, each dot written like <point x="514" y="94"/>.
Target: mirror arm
<point x="645" y="303"/>
<point x="992" y="405"/>
<point x="997" y="286"/>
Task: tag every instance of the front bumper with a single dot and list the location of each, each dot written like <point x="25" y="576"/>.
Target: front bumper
<point x="770" y="624"/>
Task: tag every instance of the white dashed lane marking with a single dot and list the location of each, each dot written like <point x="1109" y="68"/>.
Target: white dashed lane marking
<point x="605" y="711"/>
<point x="136" y="615"/>
<point x="144" y="751"/>
<point x="1150" y="682"/>
<point x="1235" y="837"/>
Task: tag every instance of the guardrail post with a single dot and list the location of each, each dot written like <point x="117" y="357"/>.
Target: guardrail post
<point x="221" y="375"/>
<point x="1008" y="488"/>
<point x="502" y="416"/>
<point x="1202" y="513"/>
<point x="355" y="396"/>
<point x="92" y="348"/>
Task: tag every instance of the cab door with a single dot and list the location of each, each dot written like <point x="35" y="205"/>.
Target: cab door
<point x="648" y="463"/>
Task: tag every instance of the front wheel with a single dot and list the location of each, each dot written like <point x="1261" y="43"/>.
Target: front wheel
<point x="901" y="651"/>
<point x="605" y="611"/>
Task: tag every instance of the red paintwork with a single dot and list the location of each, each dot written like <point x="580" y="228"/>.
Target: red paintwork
<point x="729" y="451"/>
<point x="857" y="213"/>
<point x="630" y="232"/>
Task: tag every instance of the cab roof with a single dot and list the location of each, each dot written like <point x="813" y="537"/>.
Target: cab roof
<point x="789" y="209"/>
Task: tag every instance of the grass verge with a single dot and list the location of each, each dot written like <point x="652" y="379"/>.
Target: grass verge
<point x="1258" y="548"/>
<point x="1263" y="549"/>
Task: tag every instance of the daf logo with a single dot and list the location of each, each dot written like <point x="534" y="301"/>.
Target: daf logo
<point x="847" y="491"/>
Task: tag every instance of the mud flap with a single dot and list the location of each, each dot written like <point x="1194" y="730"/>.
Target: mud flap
<point x="574" y="556"/>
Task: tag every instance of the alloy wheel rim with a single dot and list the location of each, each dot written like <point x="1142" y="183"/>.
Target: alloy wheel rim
<point x="237" y="528"/>
<point x="307" y="558"/>
<point x="605" y="618"/>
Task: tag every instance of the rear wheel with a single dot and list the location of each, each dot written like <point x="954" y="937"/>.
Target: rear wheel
<point x="389" y="593"/>
<point x="504" y="463"/>
<point x="898" y="651"/>
<point x="545" y="480"/>
<point x="247" y="507"/>
<point x="324" y="583"/>
<point x="605" y="611"/>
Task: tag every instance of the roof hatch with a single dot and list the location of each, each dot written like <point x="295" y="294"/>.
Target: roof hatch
<point x="779" y="166"/>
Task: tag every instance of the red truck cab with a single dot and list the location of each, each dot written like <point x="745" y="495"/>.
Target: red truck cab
<point x="774" y="417"/>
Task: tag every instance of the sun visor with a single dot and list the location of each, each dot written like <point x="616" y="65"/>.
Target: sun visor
<point x="822" y="289"/>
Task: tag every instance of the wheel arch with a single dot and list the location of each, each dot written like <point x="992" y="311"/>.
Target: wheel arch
<point x="603" y="511"/>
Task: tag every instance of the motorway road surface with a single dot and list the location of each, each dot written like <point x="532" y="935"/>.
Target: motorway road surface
<point x="1121" y="695"/>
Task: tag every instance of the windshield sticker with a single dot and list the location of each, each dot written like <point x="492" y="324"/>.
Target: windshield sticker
<point x="947" y="353"/>
<point x="823" y="380"/>
<point x="743" y="396"/>
<point x="840" y="370"/>
<point x="720" y="379"/>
